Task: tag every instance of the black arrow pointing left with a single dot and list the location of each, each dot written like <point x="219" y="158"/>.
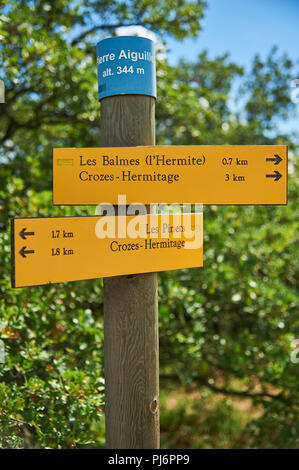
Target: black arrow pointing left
<point x="25" y="234"/>
<point x="23" y="252"/>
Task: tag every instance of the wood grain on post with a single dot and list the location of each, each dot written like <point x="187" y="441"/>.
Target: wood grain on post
<point x="130" y="307"/>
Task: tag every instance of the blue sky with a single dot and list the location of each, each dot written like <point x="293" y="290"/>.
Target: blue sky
<point x="244" y="28"/>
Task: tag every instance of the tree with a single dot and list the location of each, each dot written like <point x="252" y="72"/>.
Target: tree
<point x="226" y="327"/>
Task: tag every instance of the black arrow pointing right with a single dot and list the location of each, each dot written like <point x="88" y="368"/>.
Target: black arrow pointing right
<point x="25" y="234"/>
<point x="276" y="160"/>
<point x="23" y="252"/>
<point x="276" y="175"/>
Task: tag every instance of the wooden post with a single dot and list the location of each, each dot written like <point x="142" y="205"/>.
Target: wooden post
<point x="130" y="307"/>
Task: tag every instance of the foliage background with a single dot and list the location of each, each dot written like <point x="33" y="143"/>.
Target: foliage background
<point x="225" y="330"/>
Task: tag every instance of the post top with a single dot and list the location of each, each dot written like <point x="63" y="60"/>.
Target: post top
<point x="118" y="38"/>
<point x="126" y="66"/>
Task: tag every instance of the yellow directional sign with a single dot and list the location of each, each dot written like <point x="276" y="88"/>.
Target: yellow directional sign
<point x="182" y="174"/>
<point x="48" y="250"/>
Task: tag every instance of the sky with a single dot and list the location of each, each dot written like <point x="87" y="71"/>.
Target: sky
<point x="242" y="28"/>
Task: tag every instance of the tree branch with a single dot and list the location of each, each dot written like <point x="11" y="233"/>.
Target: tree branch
<point x="225" y="391"/>
<point x="245" y="393"/>
<point x="109" y="27"/>
<point x="11" y="128"/>
<point x="22" y="91"/>
<point x="17" y="420"/>
<point x="96" y="28"/>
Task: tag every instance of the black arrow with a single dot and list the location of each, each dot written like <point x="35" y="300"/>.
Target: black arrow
<point x="276" y="160"/>
<point x="25" y="234"/>
<point x="276" y="175"/>
<point x="23" y="252"/>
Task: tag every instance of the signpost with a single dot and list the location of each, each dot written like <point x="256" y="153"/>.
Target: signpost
<point x="60" y="249"/>
<point x="71" y="248"/>
<point x="194" y="174"/>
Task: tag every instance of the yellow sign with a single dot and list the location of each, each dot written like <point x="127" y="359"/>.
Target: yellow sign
<point x="48" y="250"/>
<point x="177" y="174"/>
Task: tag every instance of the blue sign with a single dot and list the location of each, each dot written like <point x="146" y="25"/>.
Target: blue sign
<point x="126" y="66"/>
